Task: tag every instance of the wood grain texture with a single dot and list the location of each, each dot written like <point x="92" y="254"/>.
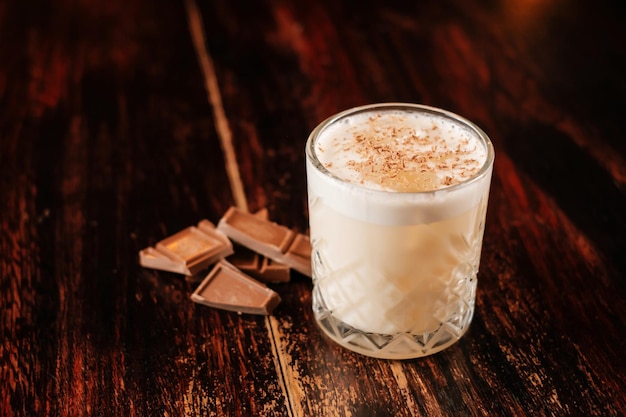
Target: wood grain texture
<point x="110" y="141"/>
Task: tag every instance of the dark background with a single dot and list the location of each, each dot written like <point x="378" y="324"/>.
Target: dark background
<point x="109" y="142"/>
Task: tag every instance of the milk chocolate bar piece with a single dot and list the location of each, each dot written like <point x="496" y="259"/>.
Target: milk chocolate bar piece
<point x="267" y="238"/>
<point x="227" y="288"/>
<point x="299" y="254"/>
<point x="272" y="271"/>
<point x="209" y="228"/>
<point x="151" y="258"/>
<point x="258" y="266"/>
<point x="188" y="251"/>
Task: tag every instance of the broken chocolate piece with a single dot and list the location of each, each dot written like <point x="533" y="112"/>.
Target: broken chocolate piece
<point x="227" y="288"/>
<point x="210" y="229"/>
<point x="151" y="258"/>
<point x="272" y="271"/>
<point x="188" y="251"/>
<point x="268" y="238"/>
<point x="299" y="254"/>
<point x="258" y="266"/>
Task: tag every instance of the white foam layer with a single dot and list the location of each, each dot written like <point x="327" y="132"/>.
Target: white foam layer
<point x="393" y="208"/>
<point x="398" y="150"/>
<point x="332" y="177"/>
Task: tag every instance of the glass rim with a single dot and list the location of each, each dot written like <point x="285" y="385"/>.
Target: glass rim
<point x="482" y="136"/>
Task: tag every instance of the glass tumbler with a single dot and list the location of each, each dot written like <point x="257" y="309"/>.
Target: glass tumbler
<point x="395" y="265"/>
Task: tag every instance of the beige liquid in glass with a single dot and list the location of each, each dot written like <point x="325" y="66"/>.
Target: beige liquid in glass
<point x="397" y="202"/>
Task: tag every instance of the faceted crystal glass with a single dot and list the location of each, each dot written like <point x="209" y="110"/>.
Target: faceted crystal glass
<point x="395" y="273"/>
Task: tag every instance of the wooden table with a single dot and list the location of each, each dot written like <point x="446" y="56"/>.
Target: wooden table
<point x="124" y="121"/>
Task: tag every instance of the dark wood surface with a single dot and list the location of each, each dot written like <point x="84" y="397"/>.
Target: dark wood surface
<point x="115" y="120"/>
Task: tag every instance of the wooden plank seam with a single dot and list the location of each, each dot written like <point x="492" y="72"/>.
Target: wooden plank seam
<point x="197" y="33"/>
<point x="196" y="29"/>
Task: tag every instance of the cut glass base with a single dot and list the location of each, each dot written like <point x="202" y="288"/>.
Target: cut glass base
<point x="392" y="346"/>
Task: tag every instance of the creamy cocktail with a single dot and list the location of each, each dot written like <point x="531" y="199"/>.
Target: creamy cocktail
<point x="397" y="202"/>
